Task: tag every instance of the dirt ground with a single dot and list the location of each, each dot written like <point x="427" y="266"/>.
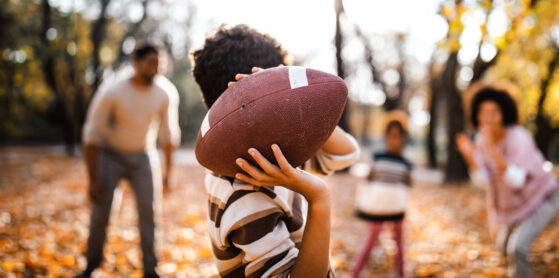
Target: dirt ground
<point x="44" y="215"/>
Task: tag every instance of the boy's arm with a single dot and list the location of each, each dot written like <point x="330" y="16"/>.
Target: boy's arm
<point x="339" y="152"/>
<point x="313" y="258"/>
<point x="339" y="143"/>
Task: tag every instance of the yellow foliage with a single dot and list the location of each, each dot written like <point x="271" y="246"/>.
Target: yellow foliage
<point x="525" y="54"/>
<point x="205" y="253"/>
<point x="193" y="218"/>
<point x="448" y="11"/>
<point x="552" y="101"/>
<point x="486" y="5"/>
<point x="68" y="261"/>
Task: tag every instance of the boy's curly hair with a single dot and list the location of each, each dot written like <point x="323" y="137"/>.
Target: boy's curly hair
<point x="232" y="50"/>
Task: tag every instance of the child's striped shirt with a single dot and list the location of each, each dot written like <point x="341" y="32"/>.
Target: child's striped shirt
<point x="257" y="231"/>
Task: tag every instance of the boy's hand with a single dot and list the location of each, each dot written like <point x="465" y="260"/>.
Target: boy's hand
<point x="313" y="257"/>
<point x="311" y="187"/>
<point x="240" y="76"/>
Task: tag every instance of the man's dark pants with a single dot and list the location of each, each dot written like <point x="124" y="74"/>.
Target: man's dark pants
<point x="137" y="168"/>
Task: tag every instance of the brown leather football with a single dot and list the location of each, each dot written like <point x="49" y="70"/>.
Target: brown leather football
<point x="295" y="107"/>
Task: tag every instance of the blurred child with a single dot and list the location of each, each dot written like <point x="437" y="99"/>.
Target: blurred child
<point x="383" y="198"/>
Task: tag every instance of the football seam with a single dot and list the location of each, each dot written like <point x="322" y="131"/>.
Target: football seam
<point x="254" y="100"/>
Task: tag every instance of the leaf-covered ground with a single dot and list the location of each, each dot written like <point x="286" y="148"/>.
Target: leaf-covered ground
<point x="44" y="215"/>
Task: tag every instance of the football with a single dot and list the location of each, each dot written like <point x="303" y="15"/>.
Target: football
<point x="295" y="107"/>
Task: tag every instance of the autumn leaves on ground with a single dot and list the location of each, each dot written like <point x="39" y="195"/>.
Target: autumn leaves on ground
<point x="44" y="217"/>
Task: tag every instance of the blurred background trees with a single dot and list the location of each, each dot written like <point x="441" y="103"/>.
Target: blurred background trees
<point x="55" y="54"/>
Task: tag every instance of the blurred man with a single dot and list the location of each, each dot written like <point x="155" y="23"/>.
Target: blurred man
<point x="119" y="143"/>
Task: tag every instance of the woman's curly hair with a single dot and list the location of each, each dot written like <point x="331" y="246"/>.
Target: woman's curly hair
<point x="232" y="50"/>
<point x="502" y="98"/>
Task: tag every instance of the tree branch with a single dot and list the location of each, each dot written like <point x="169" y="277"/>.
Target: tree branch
<point x="98" y="33"/>
<point x="131" y="31"/>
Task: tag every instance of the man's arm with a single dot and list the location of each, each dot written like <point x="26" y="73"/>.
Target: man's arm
<point x="94" y="133"/>
<point x="168" y="149"/>
<point x="90" y="155"/>
<point x="169" y="131"/>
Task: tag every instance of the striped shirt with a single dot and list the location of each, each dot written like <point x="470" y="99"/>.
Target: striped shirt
<point x="389" y="180"/>
<point x="257" y="231"/>
<point x="389" y="168"/>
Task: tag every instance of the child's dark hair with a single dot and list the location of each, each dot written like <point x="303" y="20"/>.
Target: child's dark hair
<point x="230" y="51"/>
<point x="143" y="50"/>
<point x="503" y="99"/>
<point x="397" y="125"/>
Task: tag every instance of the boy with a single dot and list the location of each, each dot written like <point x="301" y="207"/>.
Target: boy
<point x="258" y="229"/>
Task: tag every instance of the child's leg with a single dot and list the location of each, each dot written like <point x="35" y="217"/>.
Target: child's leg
<point x="374" y="232"/>
<point x="399" y="238"/>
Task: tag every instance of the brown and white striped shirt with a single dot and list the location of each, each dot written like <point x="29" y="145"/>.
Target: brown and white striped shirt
<point x="256" y="231"/>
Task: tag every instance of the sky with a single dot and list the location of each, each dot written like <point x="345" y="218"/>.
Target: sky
<point x="306" y="27"/>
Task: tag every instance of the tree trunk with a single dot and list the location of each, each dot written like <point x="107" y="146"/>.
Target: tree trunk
<point x="366" y="110"/>
<point x="545" y="131"/>
<point x="432" y="133"/>
<point x="375" y="74"/>
<point x="131" y="31"/>
<point x="456" y="170"/>
<point x="98" y="33"/>
<point x="480" y="67"/>
<point x="48" y="64"/>
<point x="338" y="42"/>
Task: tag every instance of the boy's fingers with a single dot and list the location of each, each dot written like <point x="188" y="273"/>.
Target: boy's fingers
<point x="256" y="69"/>
<point x="240" y="76"/>
<point x="266" y="165"/>
<point x="230" y="84"/>
<point x="251" y="180"/>
<point x="282" y="161"/>
<point x="251" y="170"/>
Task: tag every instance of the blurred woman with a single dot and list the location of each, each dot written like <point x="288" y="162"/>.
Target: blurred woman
<point x="522" y="190"/>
